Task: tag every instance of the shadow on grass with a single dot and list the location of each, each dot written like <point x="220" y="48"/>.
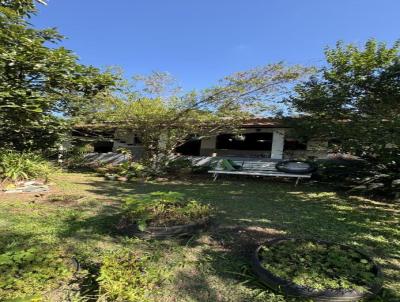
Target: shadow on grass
<point x="261" y="209"/>
<point x="305" y="211"/>
<point x="102" y="222"/>
<point x="196" y="286"/>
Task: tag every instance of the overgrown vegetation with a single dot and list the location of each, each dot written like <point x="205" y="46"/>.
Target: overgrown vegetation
<point x="318" y="266"/>
<point x="44" y="89"/>
<point x="26" y="272"/>
<point x="128" y="275"/>
<point x="163" y="209"/>
<point x="38" y="79"/>
<point x="354" y="102"/>
<point x="163" y="117"/>
<point x="213" y="266"/>
<point x="17" y="166"/>
<point x="131" y="169"/>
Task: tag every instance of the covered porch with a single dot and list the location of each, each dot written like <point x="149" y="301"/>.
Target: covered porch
<point x="253" y="143"/>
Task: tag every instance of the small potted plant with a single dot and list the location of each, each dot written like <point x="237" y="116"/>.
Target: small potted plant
<point x="162" y="215"/>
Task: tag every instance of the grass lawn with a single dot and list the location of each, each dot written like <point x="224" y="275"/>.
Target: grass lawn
<point x="215" y="265"/>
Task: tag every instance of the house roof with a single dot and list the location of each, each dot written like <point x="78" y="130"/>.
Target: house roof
<point x="254" y="122"/>
<point x="265" y="122"/>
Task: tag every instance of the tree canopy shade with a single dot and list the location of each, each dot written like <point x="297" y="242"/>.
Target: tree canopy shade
<point x="39" y="85"/>
<point x="355" y="100"/>
<point x="164" y="118"/>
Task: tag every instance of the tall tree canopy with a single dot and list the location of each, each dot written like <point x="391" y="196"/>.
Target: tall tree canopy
<point x="39" y="85"/>
<point x="164" y="117"/>
<point x="355" y="100"/>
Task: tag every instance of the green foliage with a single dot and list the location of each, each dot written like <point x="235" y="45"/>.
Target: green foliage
<point x="163" y="117"/>
<point x="128" y="275"/>
<point x="38" y="80"/>
<point x="179" y="166"/>
<point x="126" y="152"/>
<point x="74" y="161"/>
<point x="163" y="209"/>
<point x="355" y="101"/>
<point x="319" y="266"/>
<point x="342" y="171"/>
<point x="29" y="272"/>
<point x="107" y="169"/>
<point x="209" y="267"/>
<point x="15" y="166"/>
<point x="128" y="169"/>
<point x="132" y="169"/>
<point x="75" y="157"/>
<point x="82" y="149"/>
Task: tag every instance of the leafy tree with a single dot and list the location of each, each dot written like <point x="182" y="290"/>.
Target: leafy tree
<point x="164" y="117"/>
<point x="355" y="102"/>
<point x="40" y="86"/>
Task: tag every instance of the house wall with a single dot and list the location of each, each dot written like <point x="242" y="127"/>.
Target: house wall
<point x="315" y="148"/>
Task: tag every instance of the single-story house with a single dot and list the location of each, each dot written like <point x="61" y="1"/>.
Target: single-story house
<point x="258" y="138"/>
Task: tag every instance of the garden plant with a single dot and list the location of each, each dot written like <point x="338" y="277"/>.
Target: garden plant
<point x="318" y="268"/>
<point x="163" y="209"/>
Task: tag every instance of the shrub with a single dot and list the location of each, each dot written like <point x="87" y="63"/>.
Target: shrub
<point x="107" y="169"/>
<point x="82" y="149"/>
<point x="126" y="275"/>
<point x="17" y="166"/>
<point x="163" y="209"/>
<point x="127" y="169"/>
<point x="31" y="271"/>
<point x="180" y="165"/>
<point x="341" y="171"/>
<point x="74" y="160"/>
<point x="132" y="169"/>
<point x="201" y="169"/>
<point x="126" y="152"/>
<point x="359" y="176"/>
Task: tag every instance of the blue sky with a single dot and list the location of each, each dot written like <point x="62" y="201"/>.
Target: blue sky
<point x="201" y="41"/>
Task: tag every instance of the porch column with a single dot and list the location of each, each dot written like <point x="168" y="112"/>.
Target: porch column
<point x="278" y="139"/>
<point x="208" y="145"/>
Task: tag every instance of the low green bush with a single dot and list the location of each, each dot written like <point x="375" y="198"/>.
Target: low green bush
<point x="179" y="165"/>
<point x="319" y="266"/>
<point x="107" y="169"/>
<point x="342" y="171"/>
<point x="127" y="169"/>
<point x="16" y="166"/>
<point x="82" y="149"/>
<point x="163" y="209"/>
<point x="360" y="177"/>
<point x="132" y="169"/>
<point x="201" y="169"/>
<point x="30" y="272"/>
<point x="127" y="275"/>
